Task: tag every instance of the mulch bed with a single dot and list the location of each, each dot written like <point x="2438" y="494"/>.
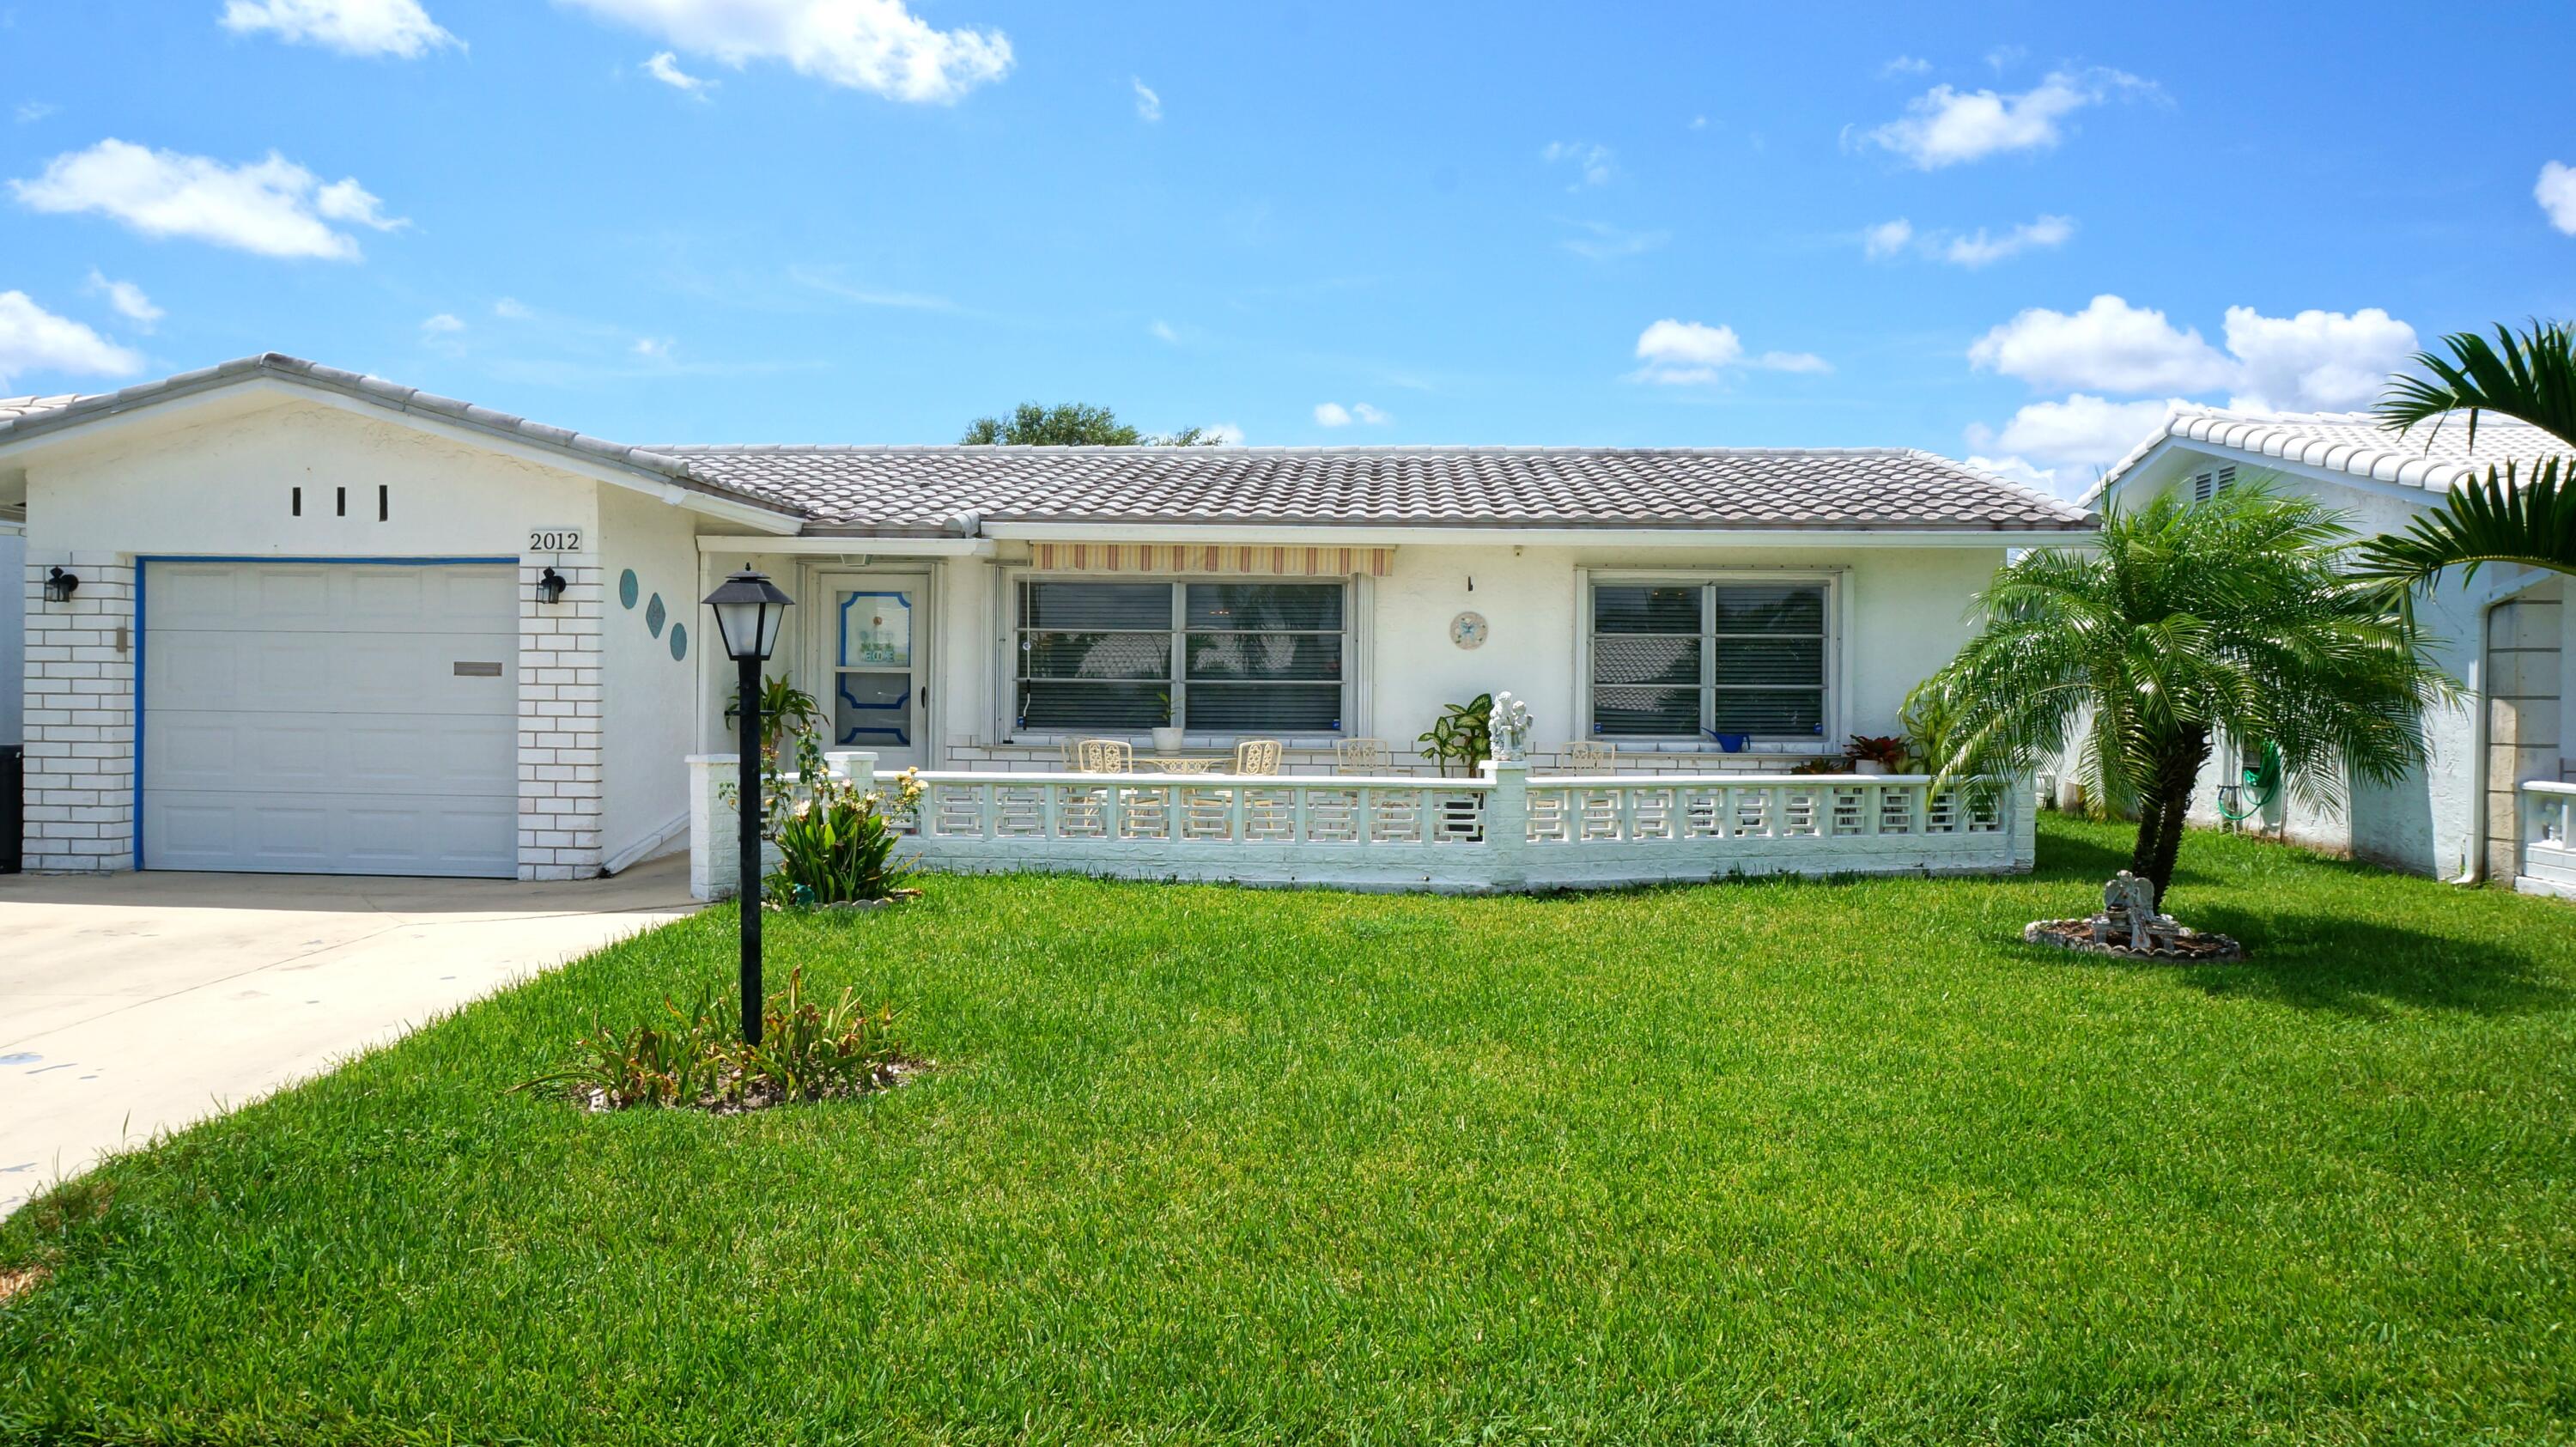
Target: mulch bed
<point x="2194" y="948"/>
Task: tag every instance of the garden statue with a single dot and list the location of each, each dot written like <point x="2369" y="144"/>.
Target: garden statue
<point x="1509" y="729"/>
<point x="2130" y="902"/>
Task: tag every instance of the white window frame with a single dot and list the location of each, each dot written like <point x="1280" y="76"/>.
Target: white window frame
<point x="1837" y="686"/>
<point x="1358" y="600"/>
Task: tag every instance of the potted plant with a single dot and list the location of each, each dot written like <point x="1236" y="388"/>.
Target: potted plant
<point x="1167" y="734"/>
<point x="1881" y="755"/>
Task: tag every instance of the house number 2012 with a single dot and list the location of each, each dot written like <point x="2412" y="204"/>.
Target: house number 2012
<point x="554" y="540"/>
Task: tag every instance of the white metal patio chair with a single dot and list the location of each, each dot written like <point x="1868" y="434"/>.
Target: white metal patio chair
<point x="1107" y="756"/>
<point x="1361" y="756"/>
<point x="1258" y="756"/>
<point x="1584" y="756"/>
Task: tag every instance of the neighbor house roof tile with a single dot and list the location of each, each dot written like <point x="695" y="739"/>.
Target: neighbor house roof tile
<point x="2429" y="455"/>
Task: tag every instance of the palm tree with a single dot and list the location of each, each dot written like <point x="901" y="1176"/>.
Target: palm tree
<point x="2187" y="622"/>
<point x="2499" y="519"/>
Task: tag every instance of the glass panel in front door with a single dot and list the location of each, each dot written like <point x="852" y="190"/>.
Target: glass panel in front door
<point x="875" y="704"/>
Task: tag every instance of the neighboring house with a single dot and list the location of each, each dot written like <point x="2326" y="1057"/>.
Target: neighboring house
<point x="2503" y="634"/>
<point x="309" y="632"/>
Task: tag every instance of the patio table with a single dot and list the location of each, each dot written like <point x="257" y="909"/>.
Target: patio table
<point x="1183" y="763"/>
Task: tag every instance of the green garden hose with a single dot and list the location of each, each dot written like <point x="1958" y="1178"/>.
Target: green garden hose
<point x="2256" y="788"/>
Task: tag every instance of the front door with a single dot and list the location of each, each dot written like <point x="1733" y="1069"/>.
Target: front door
<point x="876" y="661"/>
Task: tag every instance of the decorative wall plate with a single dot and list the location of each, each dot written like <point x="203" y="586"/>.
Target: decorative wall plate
<point x="1469" y="629"/>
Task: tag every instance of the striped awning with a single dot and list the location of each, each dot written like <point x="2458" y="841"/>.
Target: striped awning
<point x="1259" y="559"/>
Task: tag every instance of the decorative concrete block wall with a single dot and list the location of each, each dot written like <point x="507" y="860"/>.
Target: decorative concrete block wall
<point x="80" y="714"/>
<point x="715" y="826"/>
<point x="559" y="721"/>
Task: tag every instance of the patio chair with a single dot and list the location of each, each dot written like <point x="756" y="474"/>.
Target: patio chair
<point x="1257" y="756"/>
<point x="1072" y="744"/>
<point x="1107" y="756"/>
<point x="1584" y="756"/>
<point x="1361" y="756"/>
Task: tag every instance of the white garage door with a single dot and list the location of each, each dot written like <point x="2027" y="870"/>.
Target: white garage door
<point x="331" y="718"/>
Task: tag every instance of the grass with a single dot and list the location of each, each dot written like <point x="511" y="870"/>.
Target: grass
<point x="1756" y="1163"/>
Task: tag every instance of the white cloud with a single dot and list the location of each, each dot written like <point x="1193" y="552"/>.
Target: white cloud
<point x="1593" y="164"/>
<point x="1370" y="415"/>
<point x="1905" y="65"/>
<point x="665" y="67"/>
<point x="2315" y="361"/>
<point x="2556" y="192"/>
<point x="653" y="349"/>
<point x="1886" y="239"/>
<point x="353" y="27"/>
<point x="1945" y="127"/>
<point x="510" y="308"/>
<point x="1682" y="354"/>
<point x="1223" y="434"/>
<point x="2019" y="470"/>
<point x="2004" y="57"/>
<point x="1163" y="331"/>
<point x="31" y="111"/>
<point x="1605" y="242"/>
<point x="1149" y="106"/>
<point x="273" y="207"/>
<point x="1332" y="414"/>
<point x="1981" y="250"/>
<point x="2082" y="431"/>
<point x="871" y="45"/>
<point x="2109" y="346"/>
<point x="127" y="298"/>
<point x="445" y="323"/>
<point x="33" y="339"/>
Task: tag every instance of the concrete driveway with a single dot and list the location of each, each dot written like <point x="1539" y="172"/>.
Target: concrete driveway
<point x="131" y="1004"/>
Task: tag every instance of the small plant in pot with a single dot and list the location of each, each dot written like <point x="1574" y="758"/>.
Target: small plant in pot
<point x="1167" y="734"/>
<point x="1880" y="755"/>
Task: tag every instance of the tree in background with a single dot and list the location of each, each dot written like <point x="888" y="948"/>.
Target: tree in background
<point x="2187" y="622"/>
<point x="1073" y="424"/>
<point x="2501" y="519"/>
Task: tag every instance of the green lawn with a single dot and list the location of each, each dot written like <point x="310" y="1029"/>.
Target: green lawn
<point x="1763" y="1162"/>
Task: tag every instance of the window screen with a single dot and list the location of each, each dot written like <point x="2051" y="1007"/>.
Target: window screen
<point x="1233" y="658"/>
<point x="1688" y="660"/>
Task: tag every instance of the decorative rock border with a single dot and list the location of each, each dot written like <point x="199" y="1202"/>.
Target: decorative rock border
<point x="2194" y="948"/>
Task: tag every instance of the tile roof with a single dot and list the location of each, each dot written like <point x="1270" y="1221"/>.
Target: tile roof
<point x="897" y="490"/>
<point x="2355" y="443"/>
<point x="951" y="491"/>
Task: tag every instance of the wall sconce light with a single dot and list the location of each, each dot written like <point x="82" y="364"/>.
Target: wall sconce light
<point x="59" y="586"/>
<point x="550" y="587"/>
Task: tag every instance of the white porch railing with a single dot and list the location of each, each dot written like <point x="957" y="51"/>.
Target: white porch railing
<point x="2548" y="839"/>
<point x="1503" y="831"/>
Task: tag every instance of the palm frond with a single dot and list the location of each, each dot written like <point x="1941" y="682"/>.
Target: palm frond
<point x="2488" y="521"/>
<point x="2531" y="377"/>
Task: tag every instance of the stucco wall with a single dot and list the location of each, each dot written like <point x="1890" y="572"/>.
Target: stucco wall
<point x="13" y="637"/>
<point x="1901" y="615"/>
<point x="2428" y="822"/>
<point x="647" y="733"/>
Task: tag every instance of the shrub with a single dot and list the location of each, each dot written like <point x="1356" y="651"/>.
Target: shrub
<point x="693" y="1057"/>
<point x="835" y="840"/>
<point x="1462" y="735"/>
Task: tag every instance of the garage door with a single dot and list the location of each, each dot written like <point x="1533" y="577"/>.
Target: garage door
<point x="331" y="718"/>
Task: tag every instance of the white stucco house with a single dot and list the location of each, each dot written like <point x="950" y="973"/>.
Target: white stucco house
<point x="313" y="631"/>
<point x="2494" y="783"/>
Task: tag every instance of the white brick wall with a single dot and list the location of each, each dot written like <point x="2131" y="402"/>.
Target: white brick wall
<point x="559" y="714"/>
<point x="80" y="714"/>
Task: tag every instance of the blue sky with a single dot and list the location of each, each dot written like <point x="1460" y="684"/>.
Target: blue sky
<point x="863" y="220"/>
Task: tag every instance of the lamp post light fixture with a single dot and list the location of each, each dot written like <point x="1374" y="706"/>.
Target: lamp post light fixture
<point x="749" y="609"/>
<point x="550" y="586"/>
<point x="59" y="586"/>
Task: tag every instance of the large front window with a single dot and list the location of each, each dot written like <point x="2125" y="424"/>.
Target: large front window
<point x="1692" y="660"/>
<point x="1228" y="658"/>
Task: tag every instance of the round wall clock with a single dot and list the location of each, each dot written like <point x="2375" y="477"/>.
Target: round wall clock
<point x="1468" y="630"/>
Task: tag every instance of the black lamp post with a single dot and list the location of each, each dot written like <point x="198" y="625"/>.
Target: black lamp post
<point x="749" y="609"/>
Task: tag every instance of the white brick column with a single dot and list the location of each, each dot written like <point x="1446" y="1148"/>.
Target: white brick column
<point x="80" y="714"/>
<point x="559" y="714"/>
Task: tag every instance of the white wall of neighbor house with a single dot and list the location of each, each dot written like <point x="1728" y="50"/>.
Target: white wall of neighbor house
<point x="2430" y="821"/>
<point x="215" y="478"/>
<point x="13" y="634"/>
<point x="1901" y="613"/>
<point x="650" y="641"/>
